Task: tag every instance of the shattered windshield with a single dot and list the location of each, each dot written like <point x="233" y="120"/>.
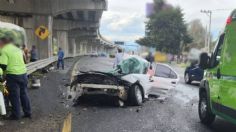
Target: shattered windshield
<point x="133" y="65"/>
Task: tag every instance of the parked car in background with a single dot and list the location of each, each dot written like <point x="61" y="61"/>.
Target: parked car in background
<point x="193" y="73"/>
<point x="103" y="54"/>
<point x="94" y="54"/>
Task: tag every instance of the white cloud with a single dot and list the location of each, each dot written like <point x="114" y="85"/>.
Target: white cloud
<point x="125" y="19"/>
<point x="116" y="21"/>
<point x="126" y="38"/>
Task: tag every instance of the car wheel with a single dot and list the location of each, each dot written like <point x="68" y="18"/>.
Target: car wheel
<point x="205" y="114"/>
<point x="187" y="79"/>
<point x="136" y="95"/>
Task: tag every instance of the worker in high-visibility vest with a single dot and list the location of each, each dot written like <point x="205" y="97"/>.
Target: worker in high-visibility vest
<point x="13" y="65"/>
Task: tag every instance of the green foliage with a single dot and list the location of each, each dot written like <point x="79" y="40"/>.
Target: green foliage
<point x="198" y="33"/>
<point x="166" y="29"/>
<point x="145" y="42"/>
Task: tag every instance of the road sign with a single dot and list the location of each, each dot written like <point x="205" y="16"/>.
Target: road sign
<point x="42" y="32"/>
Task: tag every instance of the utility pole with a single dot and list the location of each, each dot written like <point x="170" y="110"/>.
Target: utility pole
<point x="209" y="14"/>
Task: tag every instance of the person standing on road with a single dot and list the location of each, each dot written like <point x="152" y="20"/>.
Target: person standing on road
<point x="118" y="58"/>
<point x="26" y="53"/>
<point x="33" y="54"/>
<point x="60" y="56"/>
<point x="13" y="65"/>
<point x="150" y="58"/>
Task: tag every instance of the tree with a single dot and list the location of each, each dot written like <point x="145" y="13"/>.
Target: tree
<point x="198" y="33"/>
<point x="166" y="29"/>
<point x="145" y="41"/>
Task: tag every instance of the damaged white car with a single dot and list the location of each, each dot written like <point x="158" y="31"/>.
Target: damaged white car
<point x="128" y="82"/>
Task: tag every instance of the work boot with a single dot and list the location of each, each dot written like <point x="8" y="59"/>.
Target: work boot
<point x="27" y="116"/>
<point x="12" y="117"/>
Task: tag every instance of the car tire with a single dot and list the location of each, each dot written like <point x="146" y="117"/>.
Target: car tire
<point x="205" y="114"/>
<point x="136" y="95"/>
<point x="187" y="78"/>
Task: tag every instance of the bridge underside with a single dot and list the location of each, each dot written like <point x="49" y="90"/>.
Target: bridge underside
<point x="73" y="24"/>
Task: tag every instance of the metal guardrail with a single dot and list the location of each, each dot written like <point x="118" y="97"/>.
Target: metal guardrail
<point x="34" y="66"/>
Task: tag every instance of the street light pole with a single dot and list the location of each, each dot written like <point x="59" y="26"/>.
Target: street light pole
<point x="209" y="14"/>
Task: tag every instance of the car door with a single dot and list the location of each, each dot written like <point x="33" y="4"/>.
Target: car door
<point x="164" y="79"/>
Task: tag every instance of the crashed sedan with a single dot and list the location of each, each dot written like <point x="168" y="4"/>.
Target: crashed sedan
<point x="128" y="82"/>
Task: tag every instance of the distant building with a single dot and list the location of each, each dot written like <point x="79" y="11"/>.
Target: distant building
<point x="129" y="46"/>
<point x="120" y="43"/>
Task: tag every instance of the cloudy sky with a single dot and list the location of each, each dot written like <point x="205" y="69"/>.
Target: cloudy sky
<point x="124" y="20"/>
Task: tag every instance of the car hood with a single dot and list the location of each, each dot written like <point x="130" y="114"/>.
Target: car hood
<point x="96" y="77"/>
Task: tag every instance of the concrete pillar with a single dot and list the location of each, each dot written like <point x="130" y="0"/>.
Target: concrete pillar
<point x="81" y="48"/>
<point x="74" y="47"/>
<point x="96" y="49"/>
<point x="85" y="48"/>
<point x="45" y="49"/>
<point x="77" y="48"/>
<point x="91" y="48"/>
<point x="62" y="40"/>
<point x="100" y="49"/>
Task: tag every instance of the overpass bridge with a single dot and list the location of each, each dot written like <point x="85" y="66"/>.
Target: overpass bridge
<point x="73" y="25"/>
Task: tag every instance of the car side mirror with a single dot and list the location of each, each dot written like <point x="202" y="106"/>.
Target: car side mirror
<point x="204" y="61"/>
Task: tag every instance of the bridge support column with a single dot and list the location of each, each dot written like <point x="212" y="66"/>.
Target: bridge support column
<point x="74" y="47"/>
<point x="91" y="48"/>
<point x="81" y="48"/>
<point x="84" y="49"/>
<point x="96" y="49"/>
<point x="62" y="40"/>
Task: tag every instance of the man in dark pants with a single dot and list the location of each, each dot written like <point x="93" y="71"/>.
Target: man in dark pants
<point x="60" y="60"/>
<point x="13" y="65"/>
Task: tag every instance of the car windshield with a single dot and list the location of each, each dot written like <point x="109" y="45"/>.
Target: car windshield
<point x="133" y="65"/>
<point x="117" y="65"/>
